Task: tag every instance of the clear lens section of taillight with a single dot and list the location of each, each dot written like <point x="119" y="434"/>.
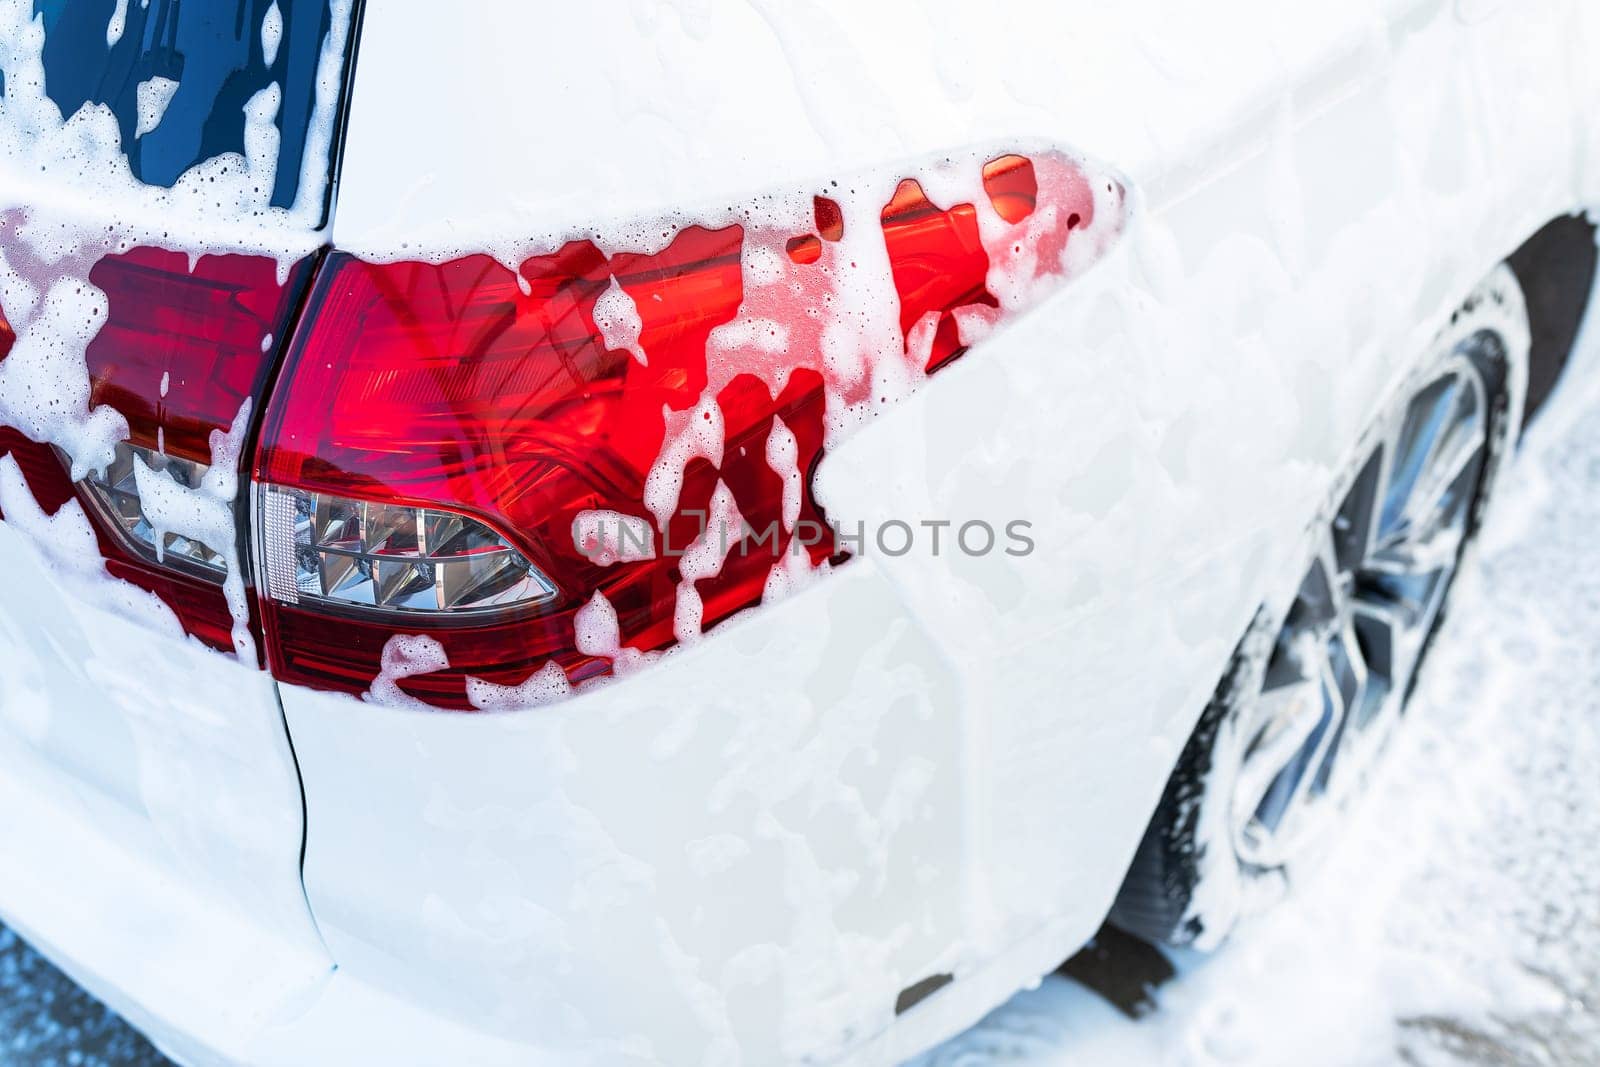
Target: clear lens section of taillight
<point x="390" y="558"/>
<point x="114" y="493"/>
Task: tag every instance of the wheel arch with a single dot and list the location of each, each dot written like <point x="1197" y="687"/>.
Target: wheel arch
<point x="1169" y="869"/>
<point x="1556" y="269"/>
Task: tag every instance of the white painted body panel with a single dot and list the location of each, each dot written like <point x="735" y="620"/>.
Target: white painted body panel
<point x="920" y="764"/>
<point x="152" y="814"/>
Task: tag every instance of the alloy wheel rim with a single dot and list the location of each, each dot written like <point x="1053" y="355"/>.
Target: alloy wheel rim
<point x="1343" y="661"/>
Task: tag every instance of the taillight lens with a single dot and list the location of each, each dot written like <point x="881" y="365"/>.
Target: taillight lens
<point x="118" y="494"/>
<point x="626" y="440"/>
<point x="185" y="347"/>
<point x="183" y="356"/>
<point x="390" y="559"/>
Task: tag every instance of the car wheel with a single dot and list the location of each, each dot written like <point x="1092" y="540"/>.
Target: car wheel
<point x="1296" y="726"/>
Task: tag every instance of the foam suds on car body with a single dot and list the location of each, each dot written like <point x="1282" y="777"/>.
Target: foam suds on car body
<point x="271" y="33"/>
<point x="153" y="96"/>
<point x="56" y="164"/>
<point x="545" y="686"/>
<point x="617" y="318"/>
<point x="605" y="537"/>
<point x="597" y="634"/>
<point x="204" y="513"/>
<point x="783" y="454"/>
<point x="403" y="656"/>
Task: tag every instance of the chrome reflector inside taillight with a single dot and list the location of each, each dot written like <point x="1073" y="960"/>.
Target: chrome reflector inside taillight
<point x="115" y="494"/>
<point x="390" y="557"/>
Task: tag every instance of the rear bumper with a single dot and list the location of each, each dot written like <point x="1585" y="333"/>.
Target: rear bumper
<point x="916" y="766"/>
<point x="181" y="963"/>
<point x="152" y="822"/>
<point x="748" y="852"/>
<point x="755" y="845"/>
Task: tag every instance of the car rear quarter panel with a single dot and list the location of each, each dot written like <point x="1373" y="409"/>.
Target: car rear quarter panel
<point x="923" y="761"/>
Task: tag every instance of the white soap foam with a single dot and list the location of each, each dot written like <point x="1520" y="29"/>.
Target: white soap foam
<point x="405" y="655"/>
<point x="597" y="633"/>
<point x="606" y="537"/>
<point x="783" y="454"/>
<point x="153" y="95"/>
<point x="724" y="529"/>
<point x="204" y="513"/>
<point x="546" y="685"/>
<point x="271" y="33"/>
<point x="617" y="318"/>
<point x="117" y="23"/>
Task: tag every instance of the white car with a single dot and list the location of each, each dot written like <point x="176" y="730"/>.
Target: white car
<point x="699" y="533"/>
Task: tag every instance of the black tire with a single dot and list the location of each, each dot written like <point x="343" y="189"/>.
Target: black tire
<point x="1187" y="885"/>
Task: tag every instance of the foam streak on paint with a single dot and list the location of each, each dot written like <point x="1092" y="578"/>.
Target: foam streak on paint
<point x="204" y="513"/>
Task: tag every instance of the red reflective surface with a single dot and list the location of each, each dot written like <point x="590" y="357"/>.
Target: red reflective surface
<point x="179" y="353"/>
<point x="181" y="349"/>
<point x="448" y="384"/>
<point x="493" y="392"/>
<point x="199" y="604"/>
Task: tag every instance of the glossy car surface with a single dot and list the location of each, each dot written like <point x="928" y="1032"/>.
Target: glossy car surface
<point x="827" y="806"/>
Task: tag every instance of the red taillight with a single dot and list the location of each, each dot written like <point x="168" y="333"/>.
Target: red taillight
<point x="183" y="352"/>
<point x="583" y="415"/>
<point x="183" y="349"/>
<point x="450" y="387"/>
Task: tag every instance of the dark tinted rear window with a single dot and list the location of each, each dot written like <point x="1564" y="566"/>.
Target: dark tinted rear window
<point x="213" y="50"/>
